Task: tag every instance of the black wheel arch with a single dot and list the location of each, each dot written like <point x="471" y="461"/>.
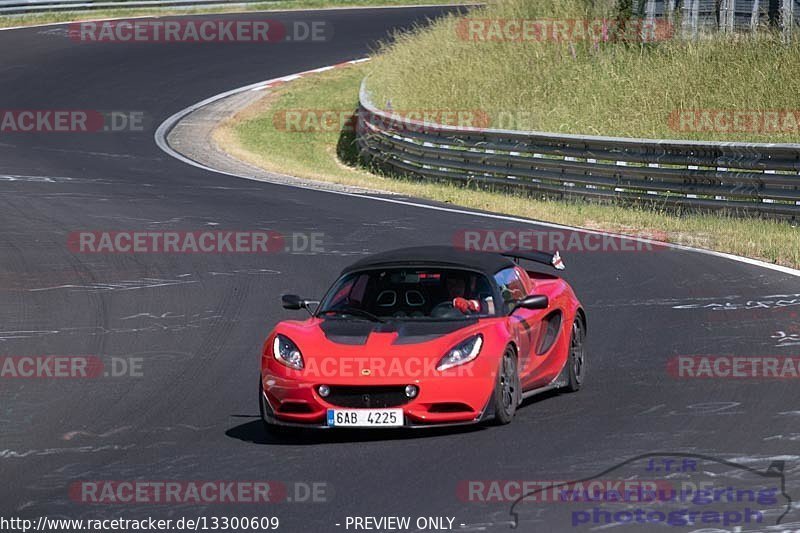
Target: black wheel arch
<point x="580" y="313"/>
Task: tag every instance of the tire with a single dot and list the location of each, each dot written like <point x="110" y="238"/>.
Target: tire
<point x="576" y="360"/>
<point x="507" y="389"/>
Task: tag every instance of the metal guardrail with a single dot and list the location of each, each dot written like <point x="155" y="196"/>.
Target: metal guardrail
<point x="698" y="17"/>
<point x="723" y="15"/>
<point x="740" y="177"/>
<point x="20" y="7"/>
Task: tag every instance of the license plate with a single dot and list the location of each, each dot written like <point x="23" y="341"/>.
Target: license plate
<point x="365" y="417"/>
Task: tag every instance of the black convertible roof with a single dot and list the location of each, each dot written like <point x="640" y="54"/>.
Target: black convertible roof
<point x="486" y="262"/>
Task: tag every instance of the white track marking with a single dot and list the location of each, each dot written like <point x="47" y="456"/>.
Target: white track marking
<point x="49" y="24"/>
<point x="228" y="13"/>
<point x="166" y="126"/>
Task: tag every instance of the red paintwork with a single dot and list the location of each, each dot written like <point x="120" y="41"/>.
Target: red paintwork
<point x="471" y="384"/>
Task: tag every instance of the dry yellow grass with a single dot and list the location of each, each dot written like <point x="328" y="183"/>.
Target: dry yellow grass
<point x="591" y="88"/>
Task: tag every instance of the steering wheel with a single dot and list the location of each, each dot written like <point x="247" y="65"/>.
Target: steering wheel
<point x="444" y="309"/>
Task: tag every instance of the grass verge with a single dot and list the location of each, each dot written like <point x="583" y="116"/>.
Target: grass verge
<point x="582" y="85"/>
<point x="259" y="136"/>
<point x="8" y="21"/>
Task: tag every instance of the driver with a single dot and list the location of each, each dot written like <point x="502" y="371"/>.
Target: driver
<point x="457" y="290"/>
<point x="456" y="286"/>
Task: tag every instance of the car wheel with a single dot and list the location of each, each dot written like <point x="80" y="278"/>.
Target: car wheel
<point x="577" y="356"/>
<point x="507" y="389"/>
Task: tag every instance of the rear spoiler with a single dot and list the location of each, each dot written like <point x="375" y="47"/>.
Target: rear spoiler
<point x="553" y="260"/>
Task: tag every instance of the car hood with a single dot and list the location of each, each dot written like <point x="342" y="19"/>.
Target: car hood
<point x="332" y="336"/>
<point x="357" y="332"/>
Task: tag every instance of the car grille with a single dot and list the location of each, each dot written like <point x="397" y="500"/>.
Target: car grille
<point x="360" y="397"/>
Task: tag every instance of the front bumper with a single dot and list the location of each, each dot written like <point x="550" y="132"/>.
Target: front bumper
<point x="268" y="416"/>
<point x="292" y="402"/>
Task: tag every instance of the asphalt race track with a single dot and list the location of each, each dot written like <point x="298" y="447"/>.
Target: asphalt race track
<point x="196" y="321"/>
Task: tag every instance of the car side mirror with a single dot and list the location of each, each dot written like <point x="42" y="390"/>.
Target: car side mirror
<point x="539" y="301"/>
<point x="294" y="302"/>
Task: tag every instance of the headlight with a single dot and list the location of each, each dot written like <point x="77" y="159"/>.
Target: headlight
<point x="461" y="353"/>
<point x="287" y="352"/>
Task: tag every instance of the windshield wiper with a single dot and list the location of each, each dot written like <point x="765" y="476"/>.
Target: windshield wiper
<point x="353" y="311"/>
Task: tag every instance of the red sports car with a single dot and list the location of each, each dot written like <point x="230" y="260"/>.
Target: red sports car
<point x="421" y="337"/>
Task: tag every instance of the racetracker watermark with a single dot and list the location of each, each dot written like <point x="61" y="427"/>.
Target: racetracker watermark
<point x="595" y="490"/>
<point x="693" y="490"/>
<point x="201" y="31"/>
<point x="338" y="120"/>
<point x="756" y="121"/>
<point x="409" y="367"/>
<point x="70" y="121"/>
<point x="194" y="523"/>
<point x="733" y="367"/>
<point x="563" y="30"/>
<point x="194" y="242"/>
<point x="198" y="492"/>
<point x="69" y="367"/>
<point x="553" y="240"/>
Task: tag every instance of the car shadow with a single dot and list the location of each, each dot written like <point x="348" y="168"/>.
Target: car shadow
<point x="254" y="432"/>
<point x="540" y="398"/>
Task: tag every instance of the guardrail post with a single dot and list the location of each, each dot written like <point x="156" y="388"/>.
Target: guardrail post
<point x="755" y="15"/>
<point x="669" y="10"/>
<point x="648" y="28"/>
<point x="691" y="17"/>
<point x="787" y="19"/>
<point x="726" y="15"/>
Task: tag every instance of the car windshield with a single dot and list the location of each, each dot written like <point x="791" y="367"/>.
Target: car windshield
<point x="410" y="294"/>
